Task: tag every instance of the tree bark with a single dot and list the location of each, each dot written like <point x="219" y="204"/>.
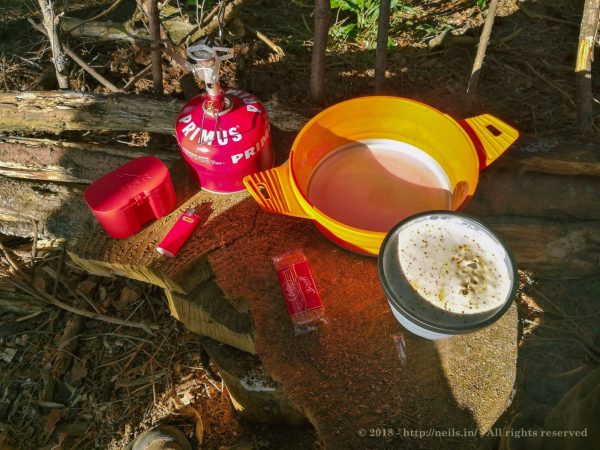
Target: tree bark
<point x="383" y="25"/>
<point x="322" y="22"/>
<point x="154" y="25"/>
<point x="583" y="67"/>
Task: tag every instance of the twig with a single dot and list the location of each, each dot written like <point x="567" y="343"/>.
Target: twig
<point x="136" y="77"/>
<point x="583" y="66"/>
<point x="67" y="345"/>
<point x="97" y="16"/>
<point x="52" y="31"/>
<point x="75" y="57"/>
<point x="59" y="269"/>
<point x="322" y="22"/>
<point x="383" y="25"/>
<point x="276" y="48"/>
<point x="535" y="15"/>
<point x="550" y="83"/>
<point x="154" y="24"/>
<point x="481" y="48"/>
<point x="101" y="317"/>
<point x="34" y="243"/>
<point x="575" y="326"/>
<point x="205" y="22"/>
<point x="9" y="258"/>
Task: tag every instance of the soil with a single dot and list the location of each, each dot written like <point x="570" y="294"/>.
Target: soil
<point x="527" y="80"/>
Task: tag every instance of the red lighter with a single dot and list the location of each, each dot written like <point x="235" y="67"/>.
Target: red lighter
<point x="180" y="232"/>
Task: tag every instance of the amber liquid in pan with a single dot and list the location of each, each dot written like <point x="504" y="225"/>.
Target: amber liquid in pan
<point x="373" y="184"/>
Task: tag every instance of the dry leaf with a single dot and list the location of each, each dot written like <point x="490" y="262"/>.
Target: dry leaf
<point x="126" y="297"/>
<point x="79" y="370"/>
<point x="54" y="417"/>
<point x="191" y="411"/>
<point x="86" y="286"/>
<point x="39" y="284"/>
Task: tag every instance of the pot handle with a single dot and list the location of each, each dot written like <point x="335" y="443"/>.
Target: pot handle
<point x="272" y="189"/>
<point x="492" y="137"/>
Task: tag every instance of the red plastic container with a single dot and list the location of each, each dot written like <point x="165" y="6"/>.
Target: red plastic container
<point x="128" y="197"/>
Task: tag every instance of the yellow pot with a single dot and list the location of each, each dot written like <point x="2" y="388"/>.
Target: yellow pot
<point x="462" y="149"/>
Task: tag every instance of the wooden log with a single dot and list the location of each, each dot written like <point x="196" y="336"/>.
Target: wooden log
<point x="253" y="392"/>
<point x="54" y="112"/>
<point x="102" y="30"/>
<point x="58" y="209"/>
<point x="206" y="311"/>
<point x="66" y="162"/>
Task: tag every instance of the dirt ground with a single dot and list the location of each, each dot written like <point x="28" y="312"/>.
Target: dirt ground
<point x="105" y="383"/>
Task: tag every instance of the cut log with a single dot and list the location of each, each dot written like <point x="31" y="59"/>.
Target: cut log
<point x="252" y="391"/>
<point x="54" y="112"/>
<point x="206" y="311"/>
<point x="349" y="374"/>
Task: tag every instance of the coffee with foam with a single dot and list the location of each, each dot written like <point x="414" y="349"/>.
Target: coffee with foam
<point x="460" y="272"/>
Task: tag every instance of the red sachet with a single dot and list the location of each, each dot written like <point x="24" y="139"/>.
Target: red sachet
<point x="302" y="298"/>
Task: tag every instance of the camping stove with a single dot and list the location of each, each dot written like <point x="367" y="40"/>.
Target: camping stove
<point x="223" y="135"/>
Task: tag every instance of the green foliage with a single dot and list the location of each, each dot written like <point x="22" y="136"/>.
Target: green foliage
<point x="357" y="20"/>
<point x="482" y="4"/>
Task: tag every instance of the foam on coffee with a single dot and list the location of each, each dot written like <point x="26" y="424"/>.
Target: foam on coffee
<point x="458" y="268"/>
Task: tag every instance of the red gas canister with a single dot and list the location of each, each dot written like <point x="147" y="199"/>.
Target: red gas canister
<point x="223" y="136"/>
<point x="135" y="193"/>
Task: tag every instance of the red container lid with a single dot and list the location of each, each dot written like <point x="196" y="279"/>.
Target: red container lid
<point x="117" y="190"/>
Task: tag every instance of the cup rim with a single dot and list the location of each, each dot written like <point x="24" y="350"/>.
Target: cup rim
<point x="397" y="304"/>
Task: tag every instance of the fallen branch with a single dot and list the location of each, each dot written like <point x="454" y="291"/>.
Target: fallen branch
<point x="27" y="286"/>
<point x="276" y="48"/>
<point x="101" y="30"/>
<point x="483" y="43"/>
<point x="535" y="15"/>
<point x="558" y="167"/>
<point x="136" y="77"/>
<point x="583" y="66"/>
<point x="97" y="16"/>
<point x="75" y="57"/>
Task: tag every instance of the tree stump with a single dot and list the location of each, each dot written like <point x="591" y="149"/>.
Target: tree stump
<point x="350" y="375"/>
